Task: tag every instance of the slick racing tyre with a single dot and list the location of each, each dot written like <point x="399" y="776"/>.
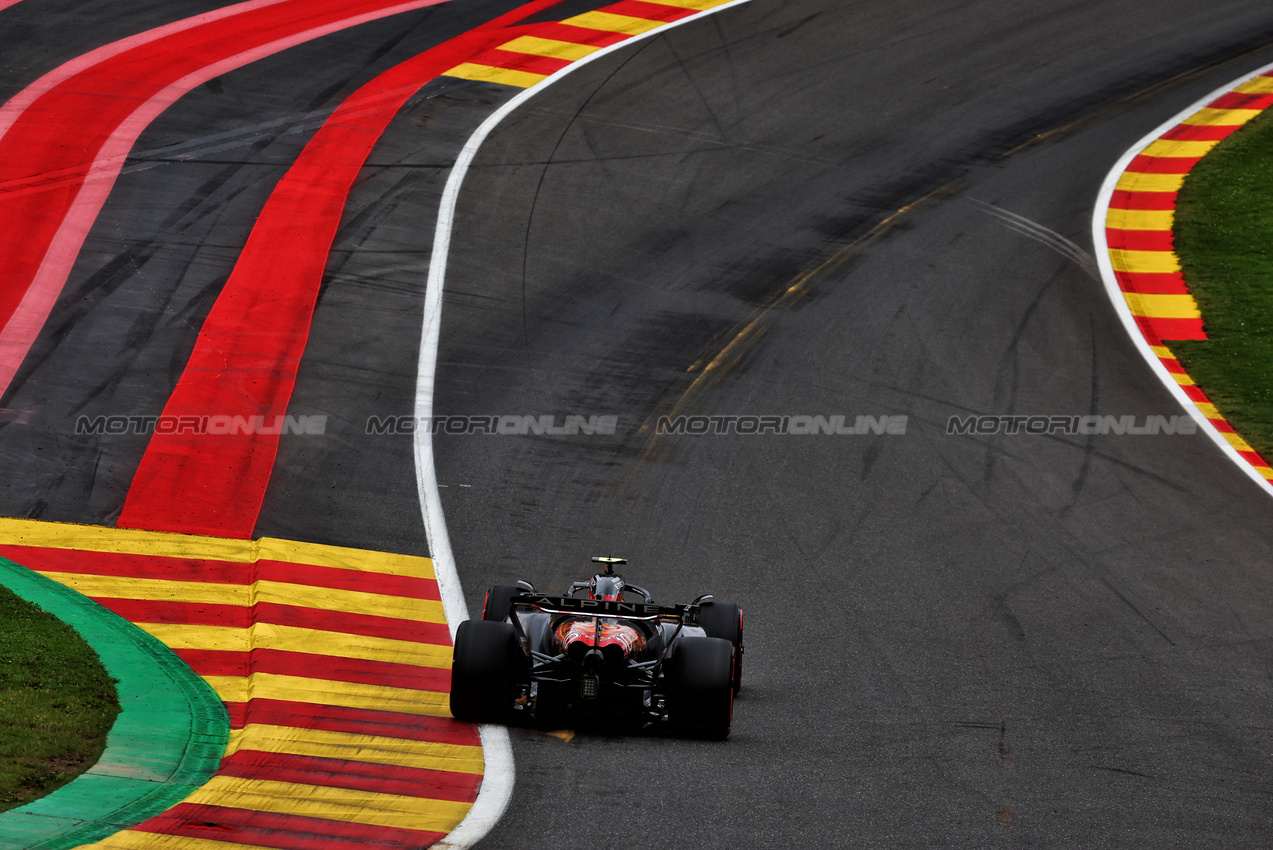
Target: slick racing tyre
<point x="485" y="671"/>
<point x="725" y="620"/>
<point x="498" y="598"/>
<point x="700" y="687"/>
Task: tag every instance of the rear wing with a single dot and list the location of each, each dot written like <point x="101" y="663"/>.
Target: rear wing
<point x="584" y="607"/>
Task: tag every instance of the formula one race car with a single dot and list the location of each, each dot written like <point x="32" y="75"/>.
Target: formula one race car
<point x="600" y="660"/>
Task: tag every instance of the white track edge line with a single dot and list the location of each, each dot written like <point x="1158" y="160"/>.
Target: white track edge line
<point x="497" y="783"/>
<point x="1099" y="218"/>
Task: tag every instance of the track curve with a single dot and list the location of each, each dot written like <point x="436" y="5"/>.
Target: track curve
<point x="1117" y="233"/>
<point x="799" y="208"/>
<point x="953" y="641"/>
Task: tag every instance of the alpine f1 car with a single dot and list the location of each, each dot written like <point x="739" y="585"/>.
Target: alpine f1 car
<point x="600" y="660"/>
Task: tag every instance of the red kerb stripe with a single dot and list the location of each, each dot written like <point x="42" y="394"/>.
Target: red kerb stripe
<point x="360" y="776"/>
<point x="1139" y="240"/>
<point x="1199" y="133"/>
<point x="217" y="662"/>
<point x="359" y="721"/>
<point x="649" y="11"/>
<point x="575" y="35"/>
<point x="340" y="579"/>
<point x="1163" y="164"/>
<point x="128" y="565"/>
<point x="1242" y="100"/>
<point x="1124" y="200"/>
<point x="178" y="613"/>
<point x="241" y="616"/>
<point x="190" y="569"/>
<point x="1252" y="458"/>
<point x="219" y="572"/>
<point x="527" y="62"/>
<point x="1152" y="283"/>
<point x="284" y="832"/>
<point x="1196" y="395"/>
<point x="238" y="712"/>
<point x="1157" y="330"/>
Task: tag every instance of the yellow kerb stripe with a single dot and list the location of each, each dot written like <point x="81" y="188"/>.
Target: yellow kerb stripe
<point x="1237" y="442"/>
<point x="1140" y="219"/>
<point x="94" y="538"/>
<point x="1133" y="181"/>
<point x="1162" y="306"/>
<point x="342" y="804"/>
<point x="350" y="601"/>
<point x="490" y="74"/>
<point x="329" y="692"/>
<point x="1182" y="379"/>
<point x="1257" y="85"/>
<point x="374" y="749"/>
<point x="117" y="587"/>
<point x="1267" y="472"/>
<point x="294" y="639"/>
<point x="613" y="23"/>
<point x="1172" y="148"/>
<point x="536" y="46"/>
<point x="1162" y="351"/>
<point x="1208" y="410"/>
<point x="209" y="593"/>
<point x="1144" y="261"/>
<point x="340" y="557"/>
<point x="1209" y="117"/>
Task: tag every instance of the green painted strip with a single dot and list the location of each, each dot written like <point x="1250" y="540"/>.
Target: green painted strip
<point x="167" y="740"/>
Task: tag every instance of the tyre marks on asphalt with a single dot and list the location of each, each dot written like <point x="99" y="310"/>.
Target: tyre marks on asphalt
<point x="249" y="348"/>
<point x="64" y="139"/>
<point x="1138" y="232"/>
<point x="337" y="695"/>
<point x="333" y="663"/>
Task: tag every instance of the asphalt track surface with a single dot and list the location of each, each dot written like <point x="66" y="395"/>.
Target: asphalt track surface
<point x="952" y="640"/>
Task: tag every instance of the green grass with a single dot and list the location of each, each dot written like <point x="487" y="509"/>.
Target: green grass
<point x="56" y="703"/>
<point x="1224" y="238"/>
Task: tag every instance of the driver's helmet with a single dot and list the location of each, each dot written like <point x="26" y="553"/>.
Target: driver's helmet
<point x="606" y="587"/>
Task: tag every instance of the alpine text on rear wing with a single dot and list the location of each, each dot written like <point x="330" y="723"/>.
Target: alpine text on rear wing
<point x="602" y="607"/>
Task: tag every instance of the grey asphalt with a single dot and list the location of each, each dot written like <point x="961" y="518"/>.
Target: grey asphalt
<point x="952" y="641"/>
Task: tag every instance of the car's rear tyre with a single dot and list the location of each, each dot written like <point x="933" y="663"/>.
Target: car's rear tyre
<point x="485" y="671"/>
<point x="498" y="599"/>
<point x="725" y="620"/>
<point x="700" y="687"/>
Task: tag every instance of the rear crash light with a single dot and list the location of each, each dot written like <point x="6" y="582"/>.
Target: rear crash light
<point x="589" y="686"/>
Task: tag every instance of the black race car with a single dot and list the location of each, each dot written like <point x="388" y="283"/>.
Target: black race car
<point x="603" y="660"/>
